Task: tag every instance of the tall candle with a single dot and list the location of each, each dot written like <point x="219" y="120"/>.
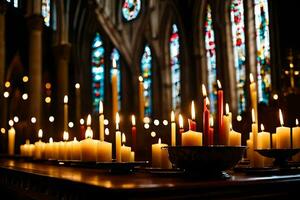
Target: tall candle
<point x="253" y="95"/>
<point x="211" y="131"/>
<point x="101" y="121"/>
<point x="118" y="139"/>
<point x="78" y="101"/>
<point x="66" y="113"/>
<point x="206" y="116"/>
<point x="192" y="123"/>
<point x="82" y="128"/>
<point x="114" y="83"/>
<point x="224" y="138"/>
<point x="181" y="128"/>
<point x="133" y="132"/>
<point x="220" y="108"/>
<point x="66" y="150"/>
<point x="173" y="129"/>
<point x="283" y="134"/>
<point x="11" y="141"/>
<point x="296" y="140"/>
<point x="254" y="128"/>
<point x="141" y="98"/>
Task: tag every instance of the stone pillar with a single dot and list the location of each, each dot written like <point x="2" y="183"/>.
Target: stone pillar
<point x="62" y="54"/>
<point x="2" y="61"/>
<point x="35" y="23"/>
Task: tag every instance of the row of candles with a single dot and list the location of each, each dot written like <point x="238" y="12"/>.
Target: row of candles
<point x="227" y="136"/>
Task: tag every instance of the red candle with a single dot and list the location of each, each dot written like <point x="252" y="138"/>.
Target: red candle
<point x="211" y="131"/>
<point x="82" y="129"/>
<point x="192" y="125"/>
<point x="181" y="129"/>
<point x="206" y="118"/>
<point x="133" y="132"/>
<point x="192" y="122"/>
<point x="220" y="109"/>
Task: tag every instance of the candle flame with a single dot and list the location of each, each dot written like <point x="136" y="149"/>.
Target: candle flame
<point x="211" y="121"/>
<point x="65" y="136"/>
<point x="66" y="99"/>
<point x="251" y="78"/>
<point x="40" y="133"/>
<point x="204" y="93"/>
<point x="226" y="109"/>
<point x="180" y="121"/>
<point x="193" y="114"/>
<point x="106" y="131"/>
<point x="281" y="117"/>
<point x="159" y="141"/>
<point x="117" y="120"/>
<point x="100" y="107"/>
<point x="75" y="139"/>
<point x="253" y="115"/>
<point x="89" y="120"/>
<point x="133" y="121"/>
<point x="172" y="116"/>
<point x="114" y="64"/>
<point x="123" y="138"/>
<point x="89" y="132"/>
<point x="262" y="128"/>
<point x="141" y="79"/>
<point x="297" y="122"/>
<point x="219" y="85"/>
<point x="207" y="102"/>
<point x="50" y="140"/>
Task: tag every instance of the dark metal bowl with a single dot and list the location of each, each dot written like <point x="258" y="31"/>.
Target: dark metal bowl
<point x="203" y="159"/>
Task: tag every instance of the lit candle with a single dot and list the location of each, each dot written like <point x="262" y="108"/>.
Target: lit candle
<point x="296" y="140"/>
<point x="49" y="149"/>
<point x="39" y="146"/>
<point x="211" y="131"/>
<point x="173" y="129"/>
<point x="224" y="138"/>
<point x="125" y="151"/>
<point x="191" y="138"/>
<point x="159" y="157"/>
<point x="253" y="95"/>
<point x="274" y="141"/>
<point x="68" y="146"/>
<point x="11" y="139"/>
<point x="82" y="128"/>
<point x="118" y="139"/>
<point x="283" y="134"/>
<point x="101" y="121"/>
<point x="220" y="108"/>
<point x="206" y="116"/>
<point x="264" y="142"/>
<point x="104" y="151"/>
<point x="254" y="128"/>
<point x="88" y="145"/>
<point x="133" y="132"/>
<point x="181" y="128"/>
<point x="66" y="113"/>
<point x="114" y="83"/>
<point x="234" y="137"/>
<point x="75" y="155"/>
<point x="141" y="97"/>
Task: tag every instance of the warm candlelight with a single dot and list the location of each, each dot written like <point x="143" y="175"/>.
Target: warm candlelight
<point x="66" y="112"/>
<point x="75" y="146"/>
<point x="181" y="128"/>
<point x="11" y="140"/>
<point x="39" y="146"/>
<point x="264" y="142"/>
<point x="211" y="131"/>
<point x="283" y="134"/>
<point x="118" y="139"/>
<point x="220" y="110"/>
<point x="191" y="138"/>
<point x="133" y="132"/>
<point x="88" y="145"/>
<point x="224" y="139"/>
<point x="253" y="94"/>
<point x="101" y="121"/>
<point x="160" y="158"/>
<point x="173" y="129"/>
<point x="206" y="118"/>
<point x="141" y="97"/>
<point x="192" y="122"/>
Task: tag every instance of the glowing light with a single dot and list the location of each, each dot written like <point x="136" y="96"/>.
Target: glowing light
<point x="40" y="133"/>
<point x="281" y="117"/>
<point x="193" y="114"/>
<point x="10" y="122"/>
<point x="3" y="130"/>
<point x="81" y="121"/>
<point x="16" y="119"/>
<point x="156" y="122"/>
<point x="25" y="79"/>
<point x="106" y="122"/>
<point x="146" y="120"/>
<point x="100" y="107"/>
<point x="25" y="96"/>
<point x="48" y="86"/>
<point x="117" y="121"/>
<point x="133" y="121"/>
<point x="239" y="118"/>
<point x="7" y="84"/>
<point x="66" y="99"/>
<point x="226" y="109"/>
<point x="71" y="124"/>
<point x="146" y="126"/>
<point x="6" y="94"/>
<point x="172" y="116"/>
<point x="123" y="138"/>
<point x="275" y="96"/>
<point x="77" y="85"/>
<point x="89" y="120"/>
<point x="204" y="93"/>
<point x="165" y="122"/>
<point x="65" y="136"/>
<point x="48" y="99"/>
<point x="106" y="131"/>
<point x="51" y="119"/>
<point x="253" y="115"/>
<point x="153" y="134"/>
<point x="33" y="120"/>
<point x="180" y="118"/>
<point x="262" y="128"/>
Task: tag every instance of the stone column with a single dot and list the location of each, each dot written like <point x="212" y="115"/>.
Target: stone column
<point x="35" y="23"/>
<point x="62" y="55"/>
<point x="2" y="61"/>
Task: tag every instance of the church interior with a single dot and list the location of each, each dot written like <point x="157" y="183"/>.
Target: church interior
<point x="160" y="89"/>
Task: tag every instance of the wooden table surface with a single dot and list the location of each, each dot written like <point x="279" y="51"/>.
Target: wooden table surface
<point x="45" y="181"/>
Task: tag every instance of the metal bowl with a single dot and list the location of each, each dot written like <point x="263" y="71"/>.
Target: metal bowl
<point x="203" y="159"/>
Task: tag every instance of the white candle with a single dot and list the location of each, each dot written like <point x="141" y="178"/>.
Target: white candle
<point x="11" y="141"/>
<point x="39" y="146"/>
<point x="101" y="121"/>
<point x="226" y="124"/>
<point x="283" y="135"/>
<point x="264" y="142"/>
<point x="160" y="158"/>
<point x="173" y="129"/>
<point x="88" y="146"/>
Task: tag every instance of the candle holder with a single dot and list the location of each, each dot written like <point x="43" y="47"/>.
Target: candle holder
<point x="206" y="161"/>
<point x="281" y="156"/>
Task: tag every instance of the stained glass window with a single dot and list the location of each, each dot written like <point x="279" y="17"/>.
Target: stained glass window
<point x="238" y="38"/>
<point x="263" y="49"/>
<point x="115" y="55"/>
<point x="146" y="70"/>
<point x="175" y="68"/>
<point x="97" y="71"/>
<point x="131" y="9"/>
<point x="46" y="11"/>
<point x="210" y="47"/>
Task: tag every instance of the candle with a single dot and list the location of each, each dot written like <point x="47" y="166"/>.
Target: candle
<point x="132" y="156"/>
<point x="118" y="139"/>
<point x="220" y="108"/>
<point x="141" y="97"/>
<point x="264" y="142"/>
<point x="159" y="157"/>
<point x="76" y="151"/>
<point x="211" y="131"/>
<point x="283" y="135"/>
<point x="274" y="141"/>
<point x="114" y="82"/>
<point x="11" y="140"/>
<point x="206" y="116"/>
<point x="234" y="137"/>
<point x="224" y="137"/>
<point x="88" y="145"/>
<point x="82" y="128"/>
<point x="253" y="95"/>
<point x="180" y="119"/>
<point x="133" y="132"/>
<point x="101" y="121"/>
<point x="78" y="101"/>
<point x="191" y="138"/>
<point x="104" y="151"/>
<point x="125" y="151"/>
<point x="66" y="113"/>
<point x="49" y="149"/>
<point x="296" y="140"/>
<point x="192" y="122"/>
<point x="39" y="146"/>
<point x="173" y="129"/>
<point x="254" y="129"/>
